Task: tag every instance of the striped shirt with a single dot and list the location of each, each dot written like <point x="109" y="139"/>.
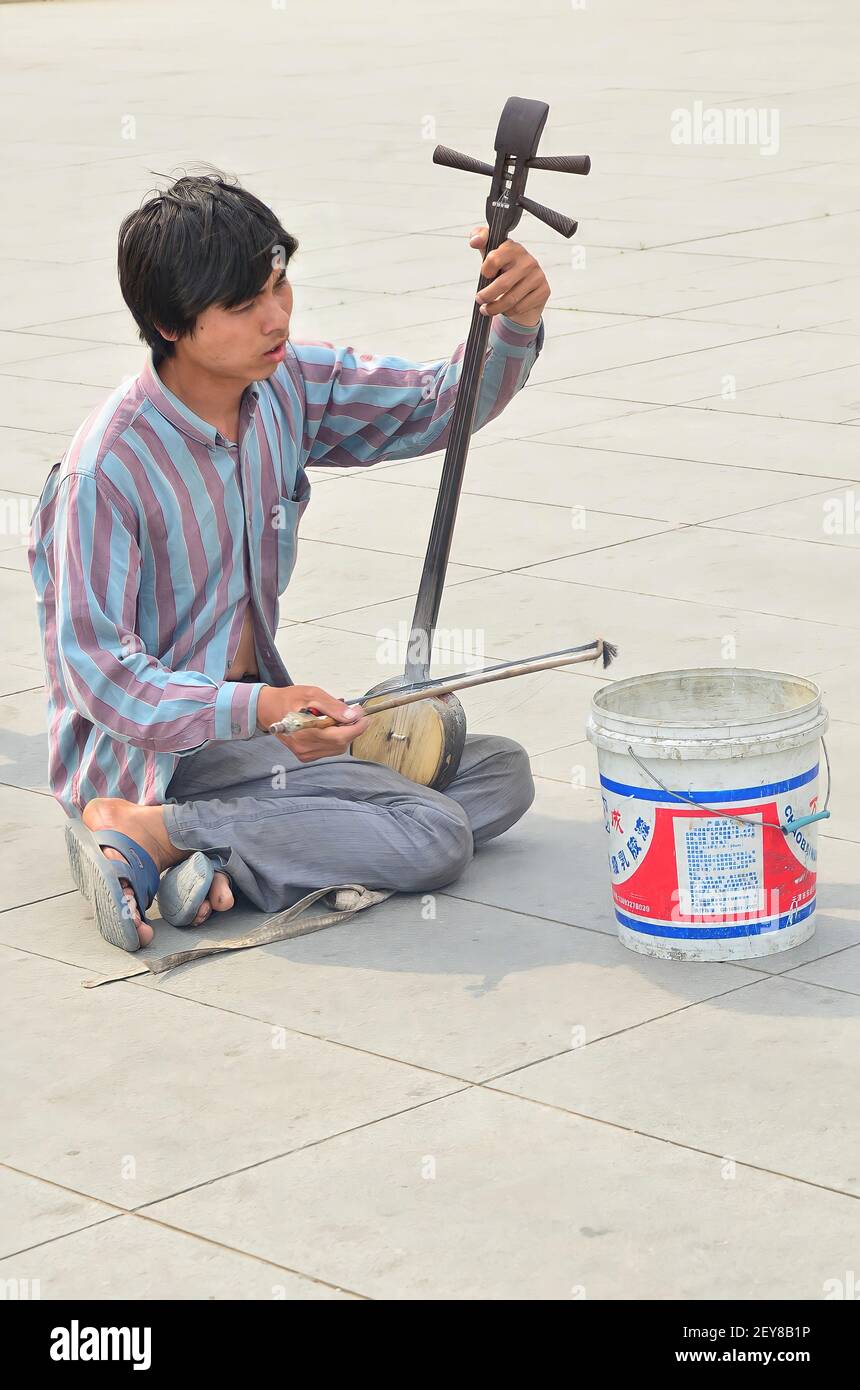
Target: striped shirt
<point x="154" y="534"/>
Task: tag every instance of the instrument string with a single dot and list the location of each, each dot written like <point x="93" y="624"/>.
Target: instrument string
<point x="404" y="715"/>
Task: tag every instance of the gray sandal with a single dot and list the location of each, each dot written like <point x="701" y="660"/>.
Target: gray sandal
<point x="184" y="887"/>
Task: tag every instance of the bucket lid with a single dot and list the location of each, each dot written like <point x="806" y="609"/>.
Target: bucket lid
<point x="707" y="704"/>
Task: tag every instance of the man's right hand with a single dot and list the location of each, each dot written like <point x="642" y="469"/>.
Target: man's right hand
<point x="309" y="744"/>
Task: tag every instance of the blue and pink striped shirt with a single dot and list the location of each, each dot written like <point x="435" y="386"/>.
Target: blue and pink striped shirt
<point x="154" y="534"/>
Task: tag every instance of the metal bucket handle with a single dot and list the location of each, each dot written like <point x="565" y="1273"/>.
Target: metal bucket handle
<point x="787" y="829"/>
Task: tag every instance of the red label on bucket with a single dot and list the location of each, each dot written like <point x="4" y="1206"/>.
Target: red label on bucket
<point x="680" y="871"/>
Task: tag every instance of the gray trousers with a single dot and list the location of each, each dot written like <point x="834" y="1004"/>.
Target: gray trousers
<point x="290" y="827"/>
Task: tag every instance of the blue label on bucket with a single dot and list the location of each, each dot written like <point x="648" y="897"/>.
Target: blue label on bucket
<point x="678" y="870"/>
<point x="712" y="797"/>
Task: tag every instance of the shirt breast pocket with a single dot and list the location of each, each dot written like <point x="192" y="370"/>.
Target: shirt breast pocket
<point x="285" y="520"/>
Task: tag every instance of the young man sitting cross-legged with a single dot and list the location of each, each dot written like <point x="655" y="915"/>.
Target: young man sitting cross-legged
<point x="160" y="546"/>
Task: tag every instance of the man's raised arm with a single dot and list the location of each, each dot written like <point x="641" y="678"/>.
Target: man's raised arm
<point x="363" y="409"/>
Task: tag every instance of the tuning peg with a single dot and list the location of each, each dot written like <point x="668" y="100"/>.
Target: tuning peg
<point x="563" y="163"/>
<point x="557" y="220"/>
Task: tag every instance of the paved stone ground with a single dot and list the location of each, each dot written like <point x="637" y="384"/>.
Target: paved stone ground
<point x="395" y="1109"/>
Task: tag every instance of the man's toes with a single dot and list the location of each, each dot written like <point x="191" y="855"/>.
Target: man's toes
<point x="144" y="931"/>
<point x="220" y="892"/>
<point x="204" y="911"/>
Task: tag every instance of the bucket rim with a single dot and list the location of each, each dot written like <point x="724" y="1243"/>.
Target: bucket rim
<point x="600" y="712"/>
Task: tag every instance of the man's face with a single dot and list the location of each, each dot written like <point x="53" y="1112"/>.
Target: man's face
<point x="238" y="343"/>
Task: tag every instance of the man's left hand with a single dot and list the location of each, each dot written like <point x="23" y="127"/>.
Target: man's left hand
<point x="519" y="289"/>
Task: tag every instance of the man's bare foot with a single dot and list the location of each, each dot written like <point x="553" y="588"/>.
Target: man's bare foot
<point x="145" y="825"/>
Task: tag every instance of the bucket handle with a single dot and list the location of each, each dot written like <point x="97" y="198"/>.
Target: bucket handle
<point x="787" y="829"/>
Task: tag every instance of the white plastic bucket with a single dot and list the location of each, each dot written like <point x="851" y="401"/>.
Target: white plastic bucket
<point x="689" y="883"/>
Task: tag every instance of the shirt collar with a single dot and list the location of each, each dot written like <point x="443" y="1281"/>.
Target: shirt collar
<point x="178" y="414"/>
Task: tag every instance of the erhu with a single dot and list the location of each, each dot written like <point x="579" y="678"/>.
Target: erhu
<point x="418" y="726"/>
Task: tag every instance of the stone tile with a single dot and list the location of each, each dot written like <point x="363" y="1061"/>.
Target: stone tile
<point x="843" y="741"/>
<point x="15" y="679"/>
<point x="24" y="738"/>
<point x="27" y="404"/>
<point x="19" y="348"/>
<point x="815" y="306"/>
<point x="701" y="282"/>
<point x="627" y="344"/>
<point x="830" y="396"/>
<point x="34" y="1212"/>
<point x="380" y="313"/>
<point x="115" y="327"/>
<point x="831" y="239"/>
<point x="554" y="868"/>
<point x="630" y="484"/>
<point x="702" y="375"/>
<point x="20" y="624"/>
<point x="840" y="684"/>
<point x="471" y="991"/>
<point x="545" y="1205"/>
<point x="766" y="1075"/>
<point x="574" y="764"/>
<point x="747" y="441"/>
<point x="491" y="533"/>
<point x="840" y="971"/>
<point x="105" y="365"/>
<point x="830" y="517"/>
<point x="120" y="1258"/>
<point x="251" y="1094"/>
<point x="523" y="614"/>
<point x="26" y="457"/>
<point x="333" y="579"/>
<point x="538" y="409"/>
<point x="708" y="564"/>
<point x="31" y="830"/>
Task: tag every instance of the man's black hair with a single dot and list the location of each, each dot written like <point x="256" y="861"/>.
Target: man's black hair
<point x="203" y="241"/>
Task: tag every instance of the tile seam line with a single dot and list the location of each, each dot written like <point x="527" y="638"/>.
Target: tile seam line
<point x="668" y="598"/>
<point x="51" y="1240"/>
<point x="631" y="1028"/>
<point x="746" y="298"/>
<point x="510" y="1095"/>
<point x="495" y="497"/>
<point x="121" y="1212"/>
<point x="28" y="690"/>
<point x="461" y="652"/>
<point x="577" y="583"/>
<point x="668" y="356"/>
<point x="137" y="981"/>
<point x="691" y="402"/>
<point x="289" y="1028"/>
<point x="87" y="345"/>
<point x="678" y="458"/>
<point x="571" y="555"/>
<point x="636" y="516"/>
<point x="142" y="1215"/>
<point x="771" y="226"/>
<point x="764" y="506"/>
<point x="675" y="314"/>
<point x="299" y="1148"/>
<point x="666" y="529"/>
<point x="397" y="598"/>
<point x="798" y="540"/>
<point x="452" y="1076"/>
<point x="34" y="902"/>
<point x="676" y="1143"/>
<point x="595" y="931"/>
<point x="648" y="408"/>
